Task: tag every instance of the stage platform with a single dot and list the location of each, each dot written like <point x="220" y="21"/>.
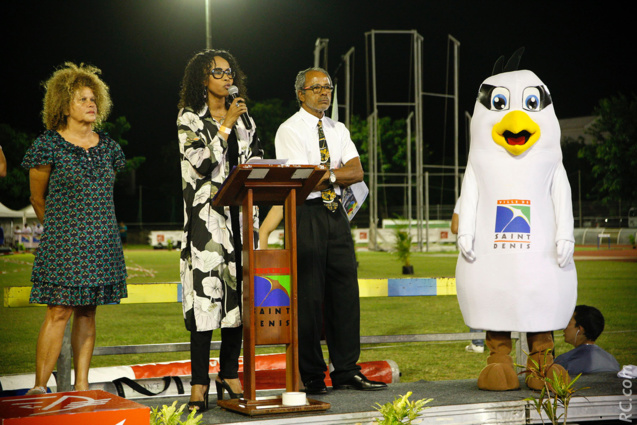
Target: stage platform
<point x="608" y="400"/>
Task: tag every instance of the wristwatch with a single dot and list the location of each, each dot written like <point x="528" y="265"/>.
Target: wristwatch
<point x="332" y="177"/>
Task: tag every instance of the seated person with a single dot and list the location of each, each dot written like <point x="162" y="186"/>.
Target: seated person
<point x="585" y="327"/>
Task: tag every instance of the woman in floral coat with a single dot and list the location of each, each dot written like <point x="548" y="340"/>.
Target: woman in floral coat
<point x="212" y="139"/>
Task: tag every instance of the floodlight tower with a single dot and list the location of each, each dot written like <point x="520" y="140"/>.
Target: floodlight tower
<point x="208" y="29"/>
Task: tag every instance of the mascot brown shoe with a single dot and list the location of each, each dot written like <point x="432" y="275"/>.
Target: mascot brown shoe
<point x="540" y="361"/>
<point x="499" y="374"/>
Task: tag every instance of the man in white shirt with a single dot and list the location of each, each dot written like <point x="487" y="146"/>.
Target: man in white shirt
<point x="327" y="278"/>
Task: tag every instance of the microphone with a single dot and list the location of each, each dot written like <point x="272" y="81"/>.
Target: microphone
<point x="233" y="94"/>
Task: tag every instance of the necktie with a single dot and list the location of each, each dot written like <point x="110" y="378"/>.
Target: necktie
<point x="328" y="195"/>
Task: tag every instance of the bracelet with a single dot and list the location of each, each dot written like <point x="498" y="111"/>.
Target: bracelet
<point x="224" y="130"/>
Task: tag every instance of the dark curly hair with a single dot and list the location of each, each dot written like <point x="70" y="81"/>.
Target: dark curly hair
<point x="591" y="319"/>
<point x="192" y="94"/>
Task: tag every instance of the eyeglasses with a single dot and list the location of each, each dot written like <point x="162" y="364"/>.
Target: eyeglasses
<point x="318" y="89"/>
<point x="217" y="73"/>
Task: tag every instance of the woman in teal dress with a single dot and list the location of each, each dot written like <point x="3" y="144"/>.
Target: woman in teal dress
<point x="79" y="263"/>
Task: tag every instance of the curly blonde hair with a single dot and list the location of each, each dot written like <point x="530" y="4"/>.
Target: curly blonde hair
<point x="60" y="91"/>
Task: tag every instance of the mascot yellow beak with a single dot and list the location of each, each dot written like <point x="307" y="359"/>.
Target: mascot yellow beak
<point x="516" y="132"/>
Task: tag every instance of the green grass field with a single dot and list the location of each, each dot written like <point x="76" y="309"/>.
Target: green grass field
<point x="609" y="285"/>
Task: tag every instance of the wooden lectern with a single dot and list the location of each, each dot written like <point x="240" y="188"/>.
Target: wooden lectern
<point x="269" y="276"/>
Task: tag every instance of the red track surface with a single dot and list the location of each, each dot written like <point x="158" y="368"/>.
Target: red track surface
<point x="603" y="253"/>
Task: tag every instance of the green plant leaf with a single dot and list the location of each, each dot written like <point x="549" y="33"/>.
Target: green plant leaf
<point x="401" y="409"/>
<point x="170" y="415"/>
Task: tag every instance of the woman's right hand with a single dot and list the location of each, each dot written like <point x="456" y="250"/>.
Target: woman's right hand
<point x="237" y="107"/>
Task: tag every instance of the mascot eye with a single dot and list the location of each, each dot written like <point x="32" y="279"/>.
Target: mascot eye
<point x="531" y="99"/>
<point x="499" y="99"/>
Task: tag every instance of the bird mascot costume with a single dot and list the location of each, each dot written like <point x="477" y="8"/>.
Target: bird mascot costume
<point x="515" y="271"/>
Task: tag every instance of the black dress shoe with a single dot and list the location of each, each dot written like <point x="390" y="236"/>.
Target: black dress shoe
<point x="361" y="383"/>
<point x="316" y="386"/>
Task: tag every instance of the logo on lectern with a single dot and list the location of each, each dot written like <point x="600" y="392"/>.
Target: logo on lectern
<point x="272" y="291"/>
<point x="272" y="305"/>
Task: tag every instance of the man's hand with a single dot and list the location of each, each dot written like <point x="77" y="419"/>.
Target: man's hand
<point x="324" y="183"/>
<point x="465" y="242"/>
<point x="346" y="175"/>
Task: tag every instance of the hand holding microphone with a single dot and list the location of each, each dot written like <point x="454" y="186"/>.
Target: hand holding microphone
<point x="234" y="94"/>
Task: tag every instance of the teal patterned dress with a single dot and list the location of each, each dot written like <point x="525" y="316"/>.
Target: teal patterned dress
<point x="80" y="259"/>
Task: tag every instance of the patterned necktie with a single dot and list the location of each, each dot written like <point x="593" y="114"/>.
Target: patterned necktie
<point x="328" y="195"/>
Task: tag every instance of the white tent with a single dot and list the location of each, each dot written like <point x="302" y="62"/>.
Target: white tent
<point x="29" y="213"/>
<point x="8" y="219"/>
<point x="6" y="212"/>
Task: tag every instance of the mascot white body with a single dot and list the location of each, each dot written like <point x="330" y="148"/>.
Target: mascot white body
<point x="515" y="271"/>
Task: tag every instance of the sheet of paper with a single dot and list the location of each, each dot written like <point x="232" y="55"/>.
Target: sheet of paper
<point x="353" y="197"/>
<point x="267" y="161"/>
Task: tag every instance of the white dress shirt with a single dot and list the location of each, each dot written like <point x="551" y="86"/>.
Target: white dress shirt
<point x="297" y="141"/>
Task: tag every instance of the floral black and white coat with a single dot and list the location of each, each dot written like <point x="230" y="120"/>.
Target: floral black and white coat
<point x="210" y="297"/>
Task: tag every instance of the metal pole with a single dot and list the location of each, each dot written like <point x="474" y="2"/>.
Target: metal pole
<point x="467" y="124"/>
<point x="417" y="41"/>
<point x="373" y="149"/>
<point x="208" y="22"/>
<point x="374" y="141"/>
<point x="320" y="45"/>
<point x="65" y="361"/>
<point x="373" y="214"/>
<point x="409" y="171"/>
<point x="456" y="72"/>
<point x="348" y="85"/>
<point x="427" y="209"/>
<point x="579" y="195"/>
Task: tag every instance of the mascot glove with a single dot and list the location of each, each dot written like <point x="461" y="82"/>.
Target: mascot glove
<point x="565" y="251"/>
<point x="465" y="242"/>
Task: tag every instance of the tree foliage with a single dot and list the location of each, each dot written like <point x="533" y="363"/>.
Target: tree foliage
<point x="392" y="149"/>
<point x="578" y="169"/>
<point x="116" y="130"/>
<point x="614" y="153"/>
<point x="269" y="115"/>
<point x="391" y="157"/>
<point x="14" y="188"/>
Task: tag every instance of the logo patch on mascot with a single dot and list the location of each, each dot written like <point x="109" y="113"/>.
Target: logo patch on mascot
<point x="513" y="224"/>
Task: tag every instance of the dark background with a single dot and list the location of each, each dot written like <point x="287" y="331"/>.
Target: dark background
<point x="580" y="50"/>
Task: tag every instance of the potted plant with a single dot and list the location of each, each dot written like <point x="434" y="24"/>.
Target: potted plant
<point x="170" y="415"/>
<point x="556" y="393"/>
<point x="631" y="238"/>
<point x="402" y="248"/>
<point x="401" y="410"/>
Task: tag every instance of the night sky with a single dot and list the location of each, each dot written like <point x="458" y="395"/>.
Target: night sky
<point x="579" y="49"/>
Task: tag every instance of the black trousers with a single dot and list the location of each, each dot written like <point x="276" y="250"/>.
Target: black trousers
<point x="327" y="293"/>
<point x="231" y="339"/>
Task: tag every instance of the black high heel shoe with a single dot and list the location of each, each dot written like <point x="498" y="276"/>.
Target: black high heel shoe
<point x="223" y="385"/>
<point x="200" y="406"/>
